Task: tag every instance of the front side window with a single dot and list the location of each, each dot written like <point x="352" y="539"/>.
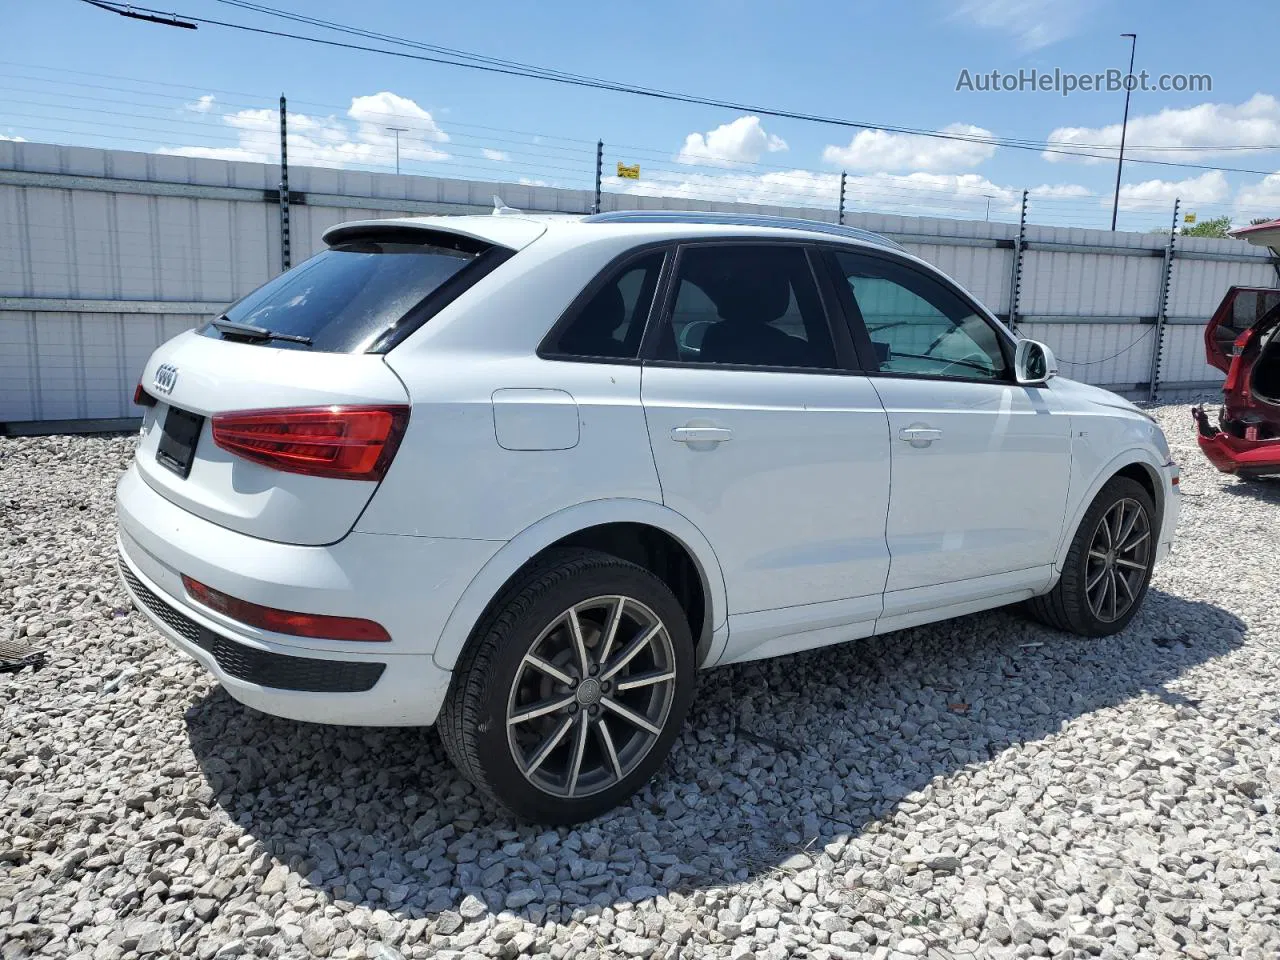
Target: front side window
<point x="917" y="325"/>
<point x="747" y="305"/>
<point x="611" y="322"/>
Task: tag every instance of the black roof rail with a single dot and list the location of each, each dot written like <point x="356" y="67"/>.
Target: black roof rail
<point x="743" y="220"/>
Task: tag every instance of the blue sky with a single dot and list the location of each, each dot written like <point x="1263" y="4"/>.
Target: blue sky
<point x="140" y="86"/>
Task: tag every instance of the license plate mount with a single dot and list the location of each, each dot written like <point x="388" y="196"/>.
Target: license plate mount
<point x="177" y="447"/>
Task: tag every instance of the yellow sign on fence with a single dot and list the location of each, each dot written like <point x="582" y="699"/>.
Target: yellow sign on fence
<point x="629" y="172"/>
<point x="1189" y="218"/>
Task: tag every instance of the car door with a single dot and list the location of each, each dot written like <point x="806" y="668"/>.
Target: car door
<point x="980" y="463"/>
<point x="766" y="440"/>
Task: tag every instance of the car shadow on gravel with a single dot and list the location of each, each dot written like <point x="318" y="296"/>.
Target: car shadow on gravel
<point x="776" y="757"/>
<point x="1265" y="489"/>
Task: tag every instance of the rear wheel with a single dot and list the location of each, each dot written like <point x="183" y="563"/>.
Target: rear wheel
<point x="1108" y="566"/>
<point x="572" y="689"/>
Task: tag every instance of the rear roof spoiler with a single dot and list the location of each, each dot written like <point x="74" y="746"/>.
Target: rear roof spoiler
<point x="512" y="232"/>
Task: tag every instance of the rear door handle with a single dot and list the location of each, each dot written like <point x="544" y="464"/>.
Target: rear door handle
<point x="701" y="434"/>
<point x="919" y="436"/>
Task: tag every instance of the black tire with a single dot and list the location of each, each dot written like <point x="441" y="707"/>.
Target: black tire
<point x="493" y="671"/>
<point x="1067" y="606"/>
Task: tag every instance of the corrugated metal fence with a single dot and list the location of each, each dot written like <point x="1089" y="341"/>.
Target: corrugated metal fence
<point x="104" y="254"/>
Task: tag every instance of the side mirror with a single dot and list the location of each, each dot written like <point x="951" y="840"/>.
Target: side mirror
<point x="1033" y="363"/>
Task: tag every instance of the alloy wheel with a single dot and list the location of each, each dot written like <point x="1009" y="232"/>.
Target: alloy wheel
<point x="1118" y="559"/>
<point x="591" y="696"/>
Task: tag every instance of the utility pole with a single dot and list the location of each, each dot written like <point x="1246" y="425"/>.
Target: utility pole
<point x="397" y="131"/>
<point x="595" y="207"/>
<point x="988" y="216"/>
<point x="286" y="253"/>
<point x="1124" y="126"/>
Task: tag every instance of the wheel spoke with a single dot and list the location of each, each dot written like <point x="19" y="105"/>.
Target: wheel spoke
<point x="579" y="746"/>
<point x="1098" y="555"/>
<point x="539" y="709"/>
<point x="1118" y="513"/>
<point x="1137" y="539"/>
<point x="550" y="744"/>
<point x="1089" y="585"/>
<point x="631" y="650"/>
<point x="1111" y="591"/>
<point x="603" y="729"/>
<point x="1128" y="527"/>
<point x="1098" y="593"/>
<point x="611" y="631"/>
<point x="1131" y="564"/>
<point x="1105" y="529"/>
<point x="1124" y="582"/>
<point x="550" y="669"/>
<point x="631" y="716"/>
<point x="645" y="680"/>
<point x="580" y="645"/>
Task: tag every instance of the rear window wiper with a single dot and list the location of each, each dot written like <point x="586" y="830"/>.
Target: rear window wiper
<point x="247" y="331"/>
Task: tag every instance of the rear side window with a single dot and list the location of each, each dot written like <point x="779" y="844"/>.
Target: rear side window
<point x="752" y="305"/>
<point x="344" y="298"/>
<point x="610" y="323"/>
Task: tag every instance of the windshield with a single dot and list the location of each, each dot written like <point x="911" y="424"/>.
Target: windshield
<point x="344" y="298"/>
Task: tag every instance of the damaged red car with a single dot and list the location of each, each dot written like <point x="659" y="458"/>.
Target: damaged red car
<point x="1243" y="340"/>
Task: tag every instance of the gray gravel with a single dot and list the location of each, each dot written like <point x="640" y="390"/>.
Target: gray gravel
<point x="979" y="788"/>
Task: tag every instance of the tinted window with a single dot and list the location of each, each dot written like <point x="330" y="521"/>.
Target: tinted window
<point x="346" y="296"/>
<point x="611" y="323"/>
<point x="917" y="325"/>
<point x="750" y="305"/>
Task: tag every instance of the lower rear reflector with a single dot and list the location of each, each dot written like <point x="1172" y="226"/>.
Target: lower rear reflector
<point x="316" y="625"/>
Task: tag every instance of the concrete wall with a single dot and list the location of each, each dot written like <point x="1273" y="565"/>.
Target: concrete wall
<point x="104" y="254"/>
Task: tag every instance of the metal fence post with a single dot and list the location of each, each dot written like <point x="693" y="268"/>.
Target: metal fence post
<point x="840" y="218"/>
<point x="1157" y="348"/>
<point x="1015" y="277"/>
<point x="595" y="207"/>
<point x="286" y="258"/>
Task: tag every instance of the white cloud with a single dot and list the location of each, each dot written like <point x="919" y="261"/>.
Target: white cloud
<point x="1256" y="122"/>
<point x="1032" y="23"/>
<point x="1261" y="199"/>
<point x="329" y="141"/>
<point x="1060" y="191"/>
<point x="882" y="150"/>
<point x="1209" y="187"/>
<point x="13" y="139"/>
<point x="741" y="141"/>
<point x="500" y="156"/>
<point x="201" y="104"/>
<point x="962" y="195"/>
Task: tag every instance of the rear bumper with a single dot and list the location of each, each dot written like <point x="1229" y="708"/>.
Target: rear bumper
<point x="410" y="585"/>
<point x="1245" y="458"/>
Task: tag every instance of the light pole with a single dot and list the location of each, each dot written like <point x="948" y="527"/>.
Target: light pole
<point x="1124" y="126"/>
<point x="397" y="131"/>
<point x="988" y="196"/>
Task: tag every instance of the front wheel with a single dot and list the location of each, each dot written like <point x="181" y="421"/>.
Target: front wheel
<point x="1108" y="566"/>
<point x="572" y="690"/>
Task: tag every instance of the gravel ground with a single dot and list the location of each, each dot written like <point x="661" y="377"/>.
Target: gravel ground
<point x="978" y="788"/>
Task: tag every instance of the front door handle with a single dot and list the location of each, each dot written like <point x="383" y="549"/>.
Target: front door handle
<point x="695" y="434"/>
<point x="919" y="436"/>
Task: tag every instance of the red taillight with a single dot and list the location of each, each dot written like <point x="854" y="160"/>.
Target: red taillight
<point x="1235" y="371"/>
<point x="317" y="625"/>
<point x="351" y="443"/>
<point x="141" y="397"/>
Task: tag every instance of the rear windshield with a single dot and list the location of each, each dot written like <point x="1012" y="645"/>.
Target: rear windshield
<point x="347" y="297"/>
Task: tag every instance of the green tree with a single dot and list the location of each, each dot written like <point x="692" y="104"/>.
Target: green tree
<point x="1216" y="227"/>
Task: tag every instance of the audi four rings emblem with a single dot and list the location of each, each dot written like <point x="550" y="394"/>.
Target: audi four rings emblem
<point x="166" y="377"/>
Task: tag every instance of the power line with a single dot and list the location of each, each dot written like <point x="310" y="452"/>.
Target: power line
<point x="449" y="57"/>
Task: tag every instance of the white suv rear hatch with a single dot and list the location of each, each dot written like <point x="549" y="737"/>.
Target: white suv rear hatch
<point x="249" y="411"/>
